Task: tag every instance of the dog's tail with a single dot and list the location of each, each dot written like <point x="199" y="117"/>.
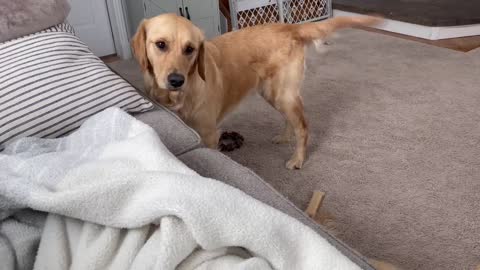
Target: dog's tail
<point x="311" y="32"/>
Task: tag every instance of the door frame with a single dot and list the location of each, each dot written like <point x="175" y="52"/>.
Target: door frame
<point x="120" y="28"/>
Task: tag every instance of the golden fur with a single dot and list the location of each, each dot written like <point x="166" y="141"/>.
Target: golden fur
<point x="219" y="73"/>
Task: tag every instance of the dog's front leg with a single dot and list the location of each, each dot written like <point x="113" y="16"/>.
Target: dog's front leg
<point x="210" y="138"/>
<point x="207" y="130"/>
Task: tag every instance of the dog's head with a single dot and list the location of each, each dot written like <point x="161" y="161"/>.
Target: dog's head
<point x="171" y="49"/>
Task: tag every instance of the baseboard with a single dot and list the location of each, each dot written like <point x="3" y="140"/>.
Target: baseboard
<point x="422" y="31"/>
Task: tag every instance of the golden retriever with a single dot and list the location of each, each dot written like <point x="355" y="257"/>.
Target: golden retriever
<point x="204" y="80"/>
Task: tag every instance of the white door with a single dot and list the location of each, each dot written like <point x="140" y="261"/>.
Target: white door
<point x="204" y="14"/>
<point x="92" y="26"/>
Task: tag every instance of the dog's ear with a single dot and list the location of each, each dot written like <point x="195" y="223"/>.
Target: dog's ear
<point x="138" y="44"/>
<point x="201" y="61"/>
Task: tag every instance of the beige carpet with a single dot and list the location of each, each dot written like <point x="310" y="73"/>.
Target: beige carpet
<point x="395" y="144"/>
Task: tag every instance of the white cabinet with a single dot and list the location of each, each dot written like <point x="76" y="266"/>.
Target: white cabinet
<point x="203" y="13"/>
<point x="153" y="8"/>
<point x="90" y="20"/>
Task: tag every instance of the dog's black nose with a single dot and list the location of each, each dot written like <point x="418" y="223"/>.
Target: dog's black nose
<point x="175" y="80"/>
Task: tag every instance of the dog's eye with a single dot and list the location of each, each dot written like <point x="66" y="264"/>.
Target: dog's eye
<point x="161" y="45"/>
<point x="189" y="50"/>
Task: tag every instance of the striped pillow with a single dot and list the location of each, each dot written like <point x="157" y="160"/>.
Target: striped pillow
<point x="50" y="82"/>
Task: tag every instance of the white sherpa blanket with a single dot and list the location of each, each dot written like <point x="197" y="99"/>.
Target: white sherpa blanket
<point x="118" y="199"/>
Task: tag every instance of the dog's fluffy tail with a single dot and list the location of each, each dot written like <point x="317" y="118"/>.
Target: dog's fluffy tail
<point x="311" y="32"/>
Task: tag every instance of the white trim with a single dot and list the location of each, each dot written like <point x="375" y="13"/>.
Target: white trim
<point x="251" y="4"/>
<point x="421" y="31"/>
<point x="459" y="31"/>
<point x="119" y="26"/>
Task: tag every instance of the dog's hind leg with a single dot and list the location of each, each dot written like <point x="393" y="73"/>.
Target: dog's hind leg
<point x="286" y="136"/>
<point x="293" y="112"/>
<point x="282" y="91"/>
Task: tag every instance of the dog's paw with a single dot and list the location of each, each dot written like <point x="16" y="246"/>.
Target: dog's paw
<point x="294" y="164"/>
<point x="281" y="139"/>
<point x="230" y="141"/>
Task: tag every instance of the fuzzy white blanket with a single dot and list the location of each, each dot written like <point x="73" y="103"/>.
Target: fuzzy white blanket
<point x="116" y="198"/>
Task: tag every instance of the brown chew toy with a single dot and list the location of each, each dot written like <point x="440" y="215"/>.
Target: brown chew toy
<point x="321" y="216"/>
<point x="315" y="203"/>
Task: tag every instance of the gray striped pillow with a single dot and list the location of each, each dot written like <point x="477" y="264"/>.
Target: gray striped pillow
<point x="50" y="82"/>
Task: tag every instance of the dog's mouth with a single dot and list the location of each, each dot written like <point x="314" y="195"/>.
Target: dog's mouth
<point x="171" y="99"/>
<point x="171" y="88"/>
